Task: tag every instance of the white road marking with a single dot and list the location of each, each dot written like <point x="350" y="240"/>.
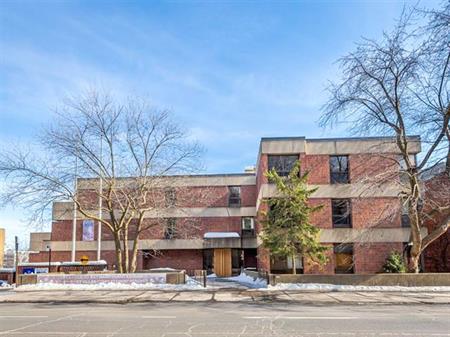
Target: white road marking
<point x="23" y="316"/>
<point x="158" y="317"/>
<point x="301" y="317"/>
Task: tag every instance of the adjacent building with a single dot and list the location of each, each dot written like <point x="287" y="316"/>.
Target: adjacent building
<point x="2" y="246"/>
<point x="213" y="221"/>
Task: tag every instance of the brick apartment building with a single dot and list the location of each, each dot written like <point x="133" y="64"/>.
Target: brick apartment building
<point x="219" y="232"/>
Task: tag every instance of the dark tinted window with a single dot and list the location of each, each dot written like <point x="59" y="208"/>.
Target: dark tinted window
<point x="405" y="216"/>
<point x="341" y="213"/>
<point x="283" y="164"/>
<point x="170" y="196"/>
<point x="339" y="169"/>
<point x="170" y="230"/>
<point x="234" y="196"/>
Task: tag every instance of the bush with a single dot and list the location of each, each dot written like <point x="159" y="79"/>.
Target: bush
<point x="394" y="263"/>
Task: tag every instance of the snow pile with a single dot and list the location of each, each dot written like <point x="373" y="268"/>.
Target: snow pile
<point x="336" y="287"/>
<point x="190" y="285"/>
<point x="249" y="280"/>
<point x="4" y="284"/>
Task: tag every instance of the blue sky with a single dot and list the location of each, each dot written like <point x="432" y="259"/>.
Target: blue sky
<point x="231" y="71"/>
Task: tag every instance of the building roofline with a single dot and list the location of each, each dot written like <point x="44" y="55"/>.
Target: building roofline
<point x="335" y="139"/>
<point x="187" y="176"/>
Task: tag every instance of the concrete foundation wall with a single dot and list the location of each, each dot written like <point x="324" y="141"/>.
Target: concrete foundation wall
<point x="406" y="280"/>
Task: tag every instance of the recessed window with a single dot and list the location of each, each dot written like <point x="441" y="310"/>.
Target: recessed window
<point x="283" y="164"/>
<point x="170" y="196"/>
<point x="339" y="169"/>
<point x="170" y="230"/>
<point x="234" y="196"/>
<point x="341" y="213"/>
<point x="343" y="254"/>
<point x="406" y="222"/>
<point x="248" y="227"/>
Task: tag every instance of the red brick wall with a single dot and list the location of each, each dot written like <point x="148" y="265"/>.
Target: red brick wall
<point x="321" y="218"/>
<point x="189" y="228"/>
<point x="177" y="259"/>
<point x="189" y="196"/>
<point x="364" y="166"/>
<point x="313" y="268"/>
<point x="263" y="257"/>
<point x="437" y="254"/>
<point x="318" y="167"/>
<point x="260" y="172"/>
<point x="376" y="212"/>
<point x="370" y="257"/>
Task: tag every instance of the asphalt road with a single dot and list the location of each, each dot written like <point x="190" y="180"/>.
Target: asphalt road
<point x="223" y="319"/>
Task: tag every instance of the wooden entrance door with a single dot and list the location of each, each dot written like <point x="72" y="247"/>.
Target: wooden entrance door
<point x="222" y="262"/>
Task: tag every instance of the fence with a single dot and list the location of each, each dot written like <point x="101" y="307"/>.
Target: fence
<point x="198" y="275"/>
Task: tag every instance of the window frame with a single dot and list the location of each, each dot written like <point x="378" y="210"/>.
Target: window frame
<point x="248" y="232"/>
<point x="336" y="177"/>
<point x="344" y="249"/>
<point x="336" y="224"/>
<point x="170" y="230"/>
<point x="405" y="220"/>
<point x="170" y="196"/>
<point x="234" y="200"/>
<point x="284" y="172"/>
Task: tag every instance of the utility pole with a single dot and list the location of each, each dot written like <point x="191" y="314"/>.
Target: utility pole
<point x="16" y="249"/>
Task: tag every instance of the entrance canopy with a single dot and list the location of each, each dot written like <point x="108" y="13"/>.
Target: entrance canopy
<point x="221" y="240"/>
<point x="221" y="235"/>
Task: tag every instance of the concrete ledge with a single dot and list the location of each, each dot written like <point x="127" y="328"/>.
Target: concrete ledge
<point x="404" y="280"/>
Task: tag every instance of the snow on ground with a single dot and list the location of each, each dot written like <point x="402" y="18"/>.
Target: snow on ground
<point x="190" y="285"/>
<point x="336" y="287"/>
<point x="4" y="284"/>
<point x="248" y="280"/>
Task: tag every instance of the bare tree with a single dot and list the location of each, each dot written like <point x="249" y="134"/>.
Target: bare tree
<point x="129" y="149"/>
<point x="400" y="86"/>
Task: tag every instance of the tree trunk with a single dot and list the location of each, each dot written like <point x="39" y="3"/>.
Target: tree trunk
<point x="118" y="247"/>
<point x="134" y="252"/>
<point x="126" y="251"/>
<point x="294" y="267"/>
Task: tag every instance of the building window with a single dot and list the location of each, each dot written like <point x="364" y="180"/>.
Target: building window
<point x="339" y="169"/>
<point x="170" y="230"/>
<point x="248" y="227"/>
<point x="234" y="196"/>
<point x="341" y="213"/>
<point x="405" y="216"/>
<point x="170" y="196"/>
<point x="343" y="254"/>
<point x="283" y="164"/>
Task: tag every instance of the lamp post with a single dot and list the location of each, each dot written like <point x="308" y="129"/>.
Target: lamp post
<point x="49" y="249"/>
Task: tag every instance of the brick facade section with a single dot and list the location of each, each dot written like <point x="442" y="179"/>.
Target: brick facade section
<point x="369" y="258"/>
<point x="437" y="254"/>
<point x="318" y="167"/>
<point x="177" y="259"/>
<point x="371" y="167"/>
<point x="366" y="212"/>
<point x="322" y="217"/>
<point x="309" y="267"/>
<point x="375" y="212"/>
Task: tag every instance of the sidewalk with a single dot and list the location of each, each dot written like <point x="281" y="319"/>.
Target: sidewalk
<point x="225" y="295"/>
